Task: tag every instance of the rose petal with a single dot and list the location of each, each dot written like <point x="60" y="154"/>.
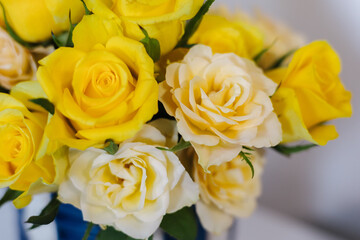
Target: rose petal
<point x="213" y="219"/>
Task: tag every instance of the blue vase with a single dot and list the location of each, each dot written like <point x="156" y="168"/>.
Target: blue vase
<point x="71" y="226"/>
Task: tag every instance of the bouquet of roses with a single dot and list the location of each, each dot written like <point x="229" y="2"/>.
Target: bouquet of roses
<point x="133" y="111"/>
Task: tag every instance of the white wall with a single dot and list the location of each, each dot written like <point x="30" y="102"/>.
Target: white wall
<point x="323" y="184"/>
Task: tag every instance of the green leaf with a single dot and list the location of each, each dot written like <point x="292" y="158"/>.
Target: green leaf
<point x="111" y="147"/>
<point x="248" y="161"/>
<point x="178" y="147"/>
<point x="262" y="52"/>
<point x="69" y="42"/>
<point x="87" y="11"/>
<point x="4" y="90"/>
<point x="88" y="231"/>
<point x="111" y="234"/>
<point x="58" y="42"/>
<point x="280" y="61"/>
<point x="44" y="103"/>
<point x="10" y="195"/>
<point x="249" y="149"/>
<point x="181" y="225"/>
<point x="64" y="39"/>
<point x="47" y="215"/>
<point x="288" y="150"/>
<point x="194" y="23"/>
<point x="151" y="45"/>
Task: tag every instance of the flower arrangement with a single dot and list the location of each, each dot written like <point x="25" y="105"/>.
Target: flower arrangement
<point x="134" y="111"/>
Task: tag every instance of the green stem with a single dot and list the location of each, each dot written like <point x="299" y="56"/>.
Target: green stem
<point x="88" y="230"/>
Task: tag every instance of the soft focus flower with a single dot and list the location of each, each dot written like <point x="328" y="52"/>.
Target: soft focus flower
<point x="21" y="131"/>
<point x="40" y="52"/>
<point x="228" y="191"/>
<point x="16" y="62"/>
<point x="104" y="87"/>
<point x="133" y="189"/>
<point x="280" y="37"/>
<point x="34" y="20"/>
<point x="26" y="163"/>
<point x="221" y="103"/>
<point x="163" y="20"/>
<point x="229" y="36"/>
<point x="241" y="33"/>
<point x="310" y="94"/>
<point x="148" y="11"/>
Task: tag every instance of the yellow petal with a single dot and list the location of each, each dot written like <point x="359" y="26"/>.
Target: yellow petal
<point x="168" y="34"/>
<point x="45" y="17"/>
<point x="287" y="107"/>
<point x="61" y="133"/>
<point x="30" y="174"/>
<point x="60" y="9"/>
<point x="94" y="29"/>
<point x="24" y="21"/>
<point x="150" y="12"/>
<point x="316" y="109"/>
<point x="321" y="53"/>
<point x="25" y="91"/>
<point x="57" y="70"/>
<point x="323" y="133"/>
<point x="22" y="201"/>
<point x="6" y="102"/>
<point x="225" y="36"/>
<point x="126" y="130"/>
<point x="277" y="75"/>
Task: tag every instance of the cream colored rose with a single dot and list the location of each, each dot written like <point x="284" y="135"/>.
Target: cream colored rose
<point x="228" y="191"/>
<point x="221" y="103"/>
<point x="16" y="62"/>
<point x="133" y="189"/>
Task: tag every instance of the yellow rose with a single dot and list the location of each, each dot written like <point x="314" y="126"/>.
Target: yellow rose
<point x="228" y="191"/>
<point x="221" y="103"/>
<point x="103" y="88"/>
<point x="148" y="11"/>
<point x="34" y="20"/>
<point x="26" y="163"/>
<point x="20" y="135"/>
<point x="226" y="36"/>
<point x="16" y="62"/>
<point x="162" y="19"/>
<point x="310" y="94"/>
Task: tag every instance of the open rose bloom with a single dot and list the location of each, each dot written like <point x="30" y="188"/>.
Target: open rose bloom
<point x="149" y="114"/>
<point x="132" y="189"/>
<point x="221" y="103"/>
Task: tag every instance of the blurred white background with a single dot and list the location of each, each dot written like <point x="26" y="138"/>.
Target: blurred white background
<point x="320" y="186"/>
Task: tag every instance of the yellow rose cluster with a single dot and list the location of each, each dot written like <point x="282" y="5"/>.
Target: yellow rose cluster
<point x="134" y="111"/>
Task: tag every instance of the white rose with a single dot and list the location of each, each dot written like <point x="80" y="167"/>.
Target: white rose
<point x="133" y="189"/>
<point x="228" y="191"/>
<point x="221" y="103"/>
<point x="16" y="62"/>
